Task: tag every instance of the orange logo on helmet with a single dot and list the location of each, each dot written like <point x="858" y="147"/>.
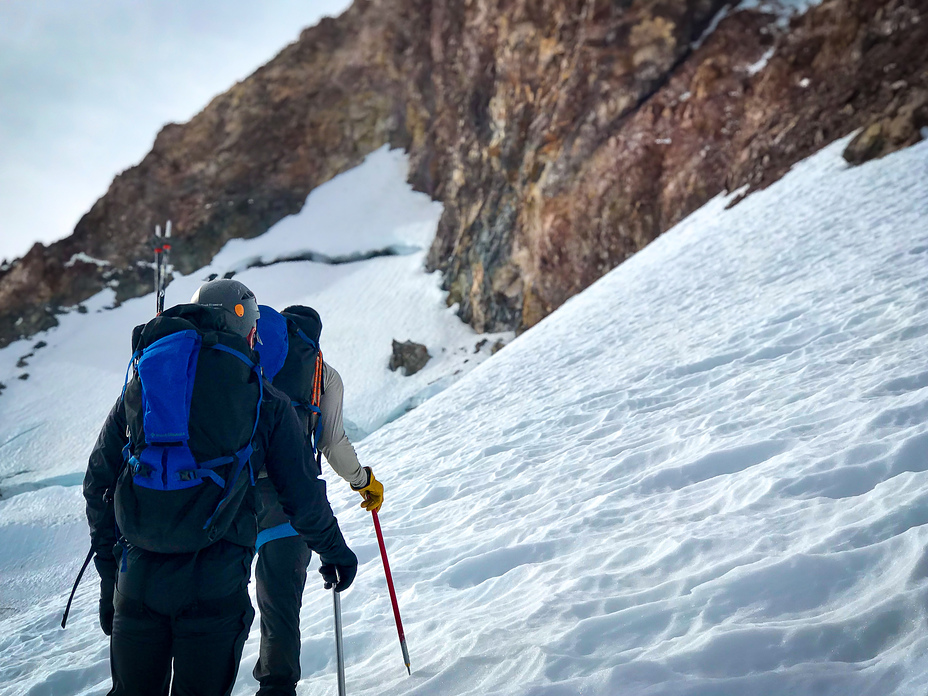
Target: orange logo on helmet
<point x="239" y="310"/>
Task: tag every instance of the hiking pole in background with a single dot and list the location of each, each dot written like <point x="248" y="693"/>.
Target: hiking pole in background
<point x="339" y="649"/>
<point x="396" y="607"/>
<point x="158" y="251"/>
<point x="162" y="257"/>
<point x="165" y="257"/>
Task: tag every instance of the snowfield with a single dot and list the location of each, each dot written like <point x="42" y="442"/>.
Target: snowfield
<point x="706" y="474"/>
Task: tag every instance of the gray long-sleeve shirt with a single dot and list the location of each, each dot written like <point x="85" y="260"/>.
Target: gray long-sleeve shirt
<point x="333" y="443"/>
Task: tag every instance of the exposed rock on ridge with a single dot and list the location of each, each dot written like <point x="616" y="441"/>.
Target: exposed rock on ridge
<point x="605" y="131"/>
<point x="561" y="136"/>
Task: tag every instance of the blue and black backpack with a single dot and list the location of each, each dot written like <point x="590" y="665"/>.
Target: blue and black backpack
<point x="292" y="361"/>
<point x="192" y="406"/>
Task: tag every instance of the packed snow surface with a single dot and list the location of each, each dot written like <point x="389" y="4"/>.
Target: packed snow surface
<point x="706" y="474"/>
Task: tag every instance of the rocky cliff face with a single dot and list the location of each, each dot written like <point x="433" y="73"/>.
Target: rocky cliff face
<point x="592" y="130"/>
<point x="562" y="136"/>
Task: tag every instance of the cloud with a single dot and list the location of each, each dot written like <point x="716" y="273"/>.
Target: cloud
<point x="87" y="85"/>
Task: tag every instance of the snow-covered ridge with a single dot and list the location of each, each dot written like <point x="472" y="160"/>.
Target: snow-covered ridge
<point x="706" y="474"/>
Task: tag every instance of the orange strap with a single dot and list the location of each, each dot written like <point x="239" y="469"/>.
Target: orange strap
<point x="317" y="381"/>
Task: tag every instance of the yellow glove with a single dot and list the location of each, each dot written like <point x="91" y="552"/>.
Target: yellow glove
<point x="372" y="492"/>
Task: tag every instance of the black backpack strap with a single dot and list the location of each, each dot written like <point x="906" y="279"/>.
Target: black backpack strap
<point x="135" y="356"/>
<point x="307" y="339"/>
<point x="244" y="454"/>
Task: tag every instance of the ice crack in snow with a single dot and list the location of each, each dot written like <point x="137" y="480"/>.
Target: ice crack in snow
<point x="319" y="257"/>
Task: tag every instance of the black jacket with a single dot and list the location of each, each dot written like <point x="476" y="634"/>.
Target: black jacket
<point x="279" y="447"/>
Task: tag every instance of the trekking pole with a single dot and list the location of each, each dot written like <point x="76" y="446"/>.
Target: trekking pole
<point x="165" y="258"/>
<point x="157" y="243"/>
<point x="339" y="649"/>
<point x="396" y="607"/>
<point x="67" y="609"/>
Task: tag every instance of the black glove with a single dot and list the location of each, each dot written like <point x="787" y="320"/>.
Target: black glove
<point x="107" y="570"/>
<point x="107" y="612"/>
<point x="341" y="576"/>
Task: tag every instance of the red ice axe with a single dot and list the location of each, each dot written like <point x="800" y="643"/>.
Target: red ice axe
<point x="396" y="607"/>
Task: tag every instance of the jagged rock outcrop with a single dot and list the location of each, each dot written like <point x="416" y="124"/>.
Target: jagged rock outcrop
<point x="900" y="127"/>
<point x="562" y="136"/>
<point x="602" y="139"/>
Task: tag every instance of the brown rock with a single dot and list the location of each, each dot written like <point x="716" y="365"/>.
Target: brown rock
<point x="867" y="145"/>
<point x="410" y="356"/>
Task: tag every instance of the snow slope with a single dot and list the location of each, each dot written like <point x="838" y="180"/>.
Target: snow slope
<point x="704" y="475"/>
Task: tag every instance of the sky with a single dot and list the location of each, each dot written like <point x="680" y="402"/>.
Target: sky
<point x="705" y="475"/>
<point x="85" y="85"/>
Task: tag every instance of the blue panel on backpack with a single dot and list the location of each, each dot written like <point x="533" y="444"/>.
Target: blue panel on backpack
<point x="167" y="370"/>
<point x="169" y="469"/>
<point x="272" y="329"/>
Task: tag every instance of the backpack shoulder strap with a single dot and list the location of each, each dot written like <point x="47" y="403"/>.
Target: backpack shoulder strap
<point x="316" y="405"/>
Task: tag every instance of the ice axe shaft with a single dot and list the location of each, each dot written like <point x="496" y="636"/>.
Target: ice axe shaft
<point x="396" y="607"/>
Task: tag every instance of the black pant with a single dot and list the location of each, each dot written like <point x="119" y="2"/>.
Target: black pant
<point x="186" y="613"/>
<point x="281" y="575"/>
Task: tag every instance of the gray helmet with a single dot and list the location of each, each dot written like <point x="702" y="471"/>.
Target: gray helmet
<point x="238" y="301"/>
